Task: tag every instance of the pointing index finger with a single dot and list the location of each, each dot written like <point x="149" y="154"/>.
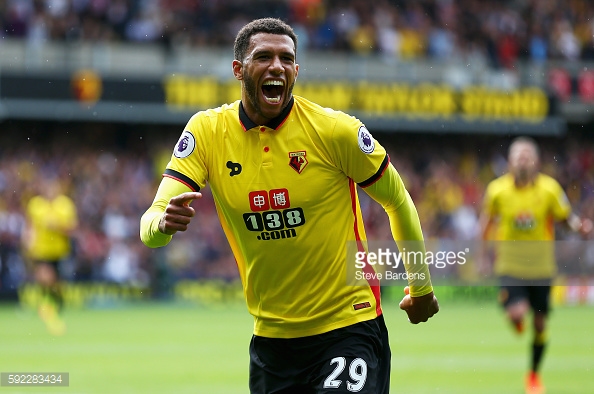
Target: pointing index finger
<point x="185" y="198"/>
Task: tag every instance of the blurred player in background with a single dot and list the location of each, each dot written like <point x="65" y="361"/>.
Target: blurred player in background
<point x="51" y="218"/>
<point x="523" y="205"/>
<point x="284" y="172"/>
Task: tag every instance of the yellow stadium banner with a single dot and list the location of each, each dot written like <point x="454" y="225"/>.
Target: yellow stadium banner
<point x="420" y="101"/>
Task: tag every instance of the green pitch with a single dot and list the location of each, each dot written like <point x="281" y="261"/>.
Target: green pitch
<point x="173" y="348"/>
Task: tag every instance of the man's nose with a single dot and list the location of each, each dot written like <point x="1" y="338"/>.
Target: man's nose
<point x="276" y="65"/>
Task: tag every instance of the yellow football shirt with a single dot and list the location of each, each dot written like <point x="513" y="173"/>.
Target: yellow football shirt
<point x="50" y="221"/>
<point x="525" y="229"/>
<point x="287" y="200"/>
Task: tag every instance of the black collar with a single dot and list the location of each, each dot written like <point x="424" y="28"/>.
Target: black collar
<point x="247" y="123"/>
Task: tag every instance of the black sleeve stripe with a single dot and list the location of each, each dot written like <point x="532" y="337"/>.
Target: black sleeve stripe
<point x="182" y="178"/>
<point x="371" y="180"/>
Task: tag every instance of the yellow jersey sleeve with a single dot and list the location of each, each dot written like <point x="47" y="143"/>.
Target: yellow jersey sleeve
<point x="149" y="222"/>
<point x="560" y="207"/>
<point x="189" y="161"/>
<point x="489" y="199"/>
<point x="389" y="191"/>
<point x="356" y="152"/>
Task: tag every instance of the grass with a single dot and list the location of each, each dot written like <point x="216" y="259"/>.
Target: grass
<point x="180" y="348"/>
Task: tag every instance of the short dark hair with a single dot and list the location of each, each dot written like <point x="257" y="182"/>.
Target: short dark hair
<point x="264" y="25"/>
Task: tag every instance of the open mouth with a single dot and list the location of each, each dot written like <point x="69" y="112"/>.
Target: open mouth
<point x="273" y="91"/>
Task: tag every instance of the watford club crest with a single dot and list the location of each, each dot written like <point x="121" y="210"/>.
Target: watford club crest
<point x="297" y="160"/>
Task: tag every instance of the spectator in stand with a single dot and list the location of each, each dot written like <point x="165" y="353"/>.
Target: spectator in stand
<point x="418" y="29"/>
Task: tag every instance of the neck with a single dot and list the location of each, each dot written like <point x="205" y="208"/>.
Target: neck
<point x="273" y="123"/>
<point x="523" y="181"/>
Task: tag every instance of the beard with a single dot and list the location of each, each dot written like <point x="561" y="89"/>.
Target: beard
<point x="251" y="92"/>
<point x="524" y="174"/>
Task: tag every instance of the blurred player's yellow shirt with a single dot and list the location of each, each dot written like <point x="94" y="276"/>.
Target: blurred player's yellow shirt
<point x="50" y="221"/>
<point x="287" y="200"/>
<point x="526" y="225"/>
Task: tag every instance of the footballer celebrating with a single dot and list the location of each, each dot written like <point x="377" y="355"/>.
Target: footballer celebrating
<point x="284" y="173"/>
<point x="522" y="206"/>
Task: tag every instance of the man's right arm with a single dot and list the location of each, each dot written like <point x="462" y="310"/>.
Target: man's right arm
<point x="488" y="213"/>
<point x="169" y="213"/>
<point x="486" y="221"/>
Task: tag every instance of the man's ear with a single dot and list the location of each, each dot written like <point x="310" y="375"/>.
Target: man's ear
<point x="237" y="68"/>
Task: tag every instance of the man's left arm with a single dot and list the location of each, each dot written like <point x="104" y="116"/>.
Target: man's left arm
<point x="561" y="210"/>
<point x="579" y="225"/>
<point x="389" y="191"/>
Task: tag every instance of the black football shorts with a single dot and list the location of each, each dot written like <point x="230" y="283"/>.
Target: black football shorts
<point x="353" y="359"/>
<point x="536" y="292"/>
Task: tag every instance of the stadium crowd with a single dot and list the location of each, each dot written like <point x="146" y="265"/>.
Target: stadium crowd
<point x="112" y="179"/>
<point x="500" y="31"/>
<point x="112" y="171"/>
